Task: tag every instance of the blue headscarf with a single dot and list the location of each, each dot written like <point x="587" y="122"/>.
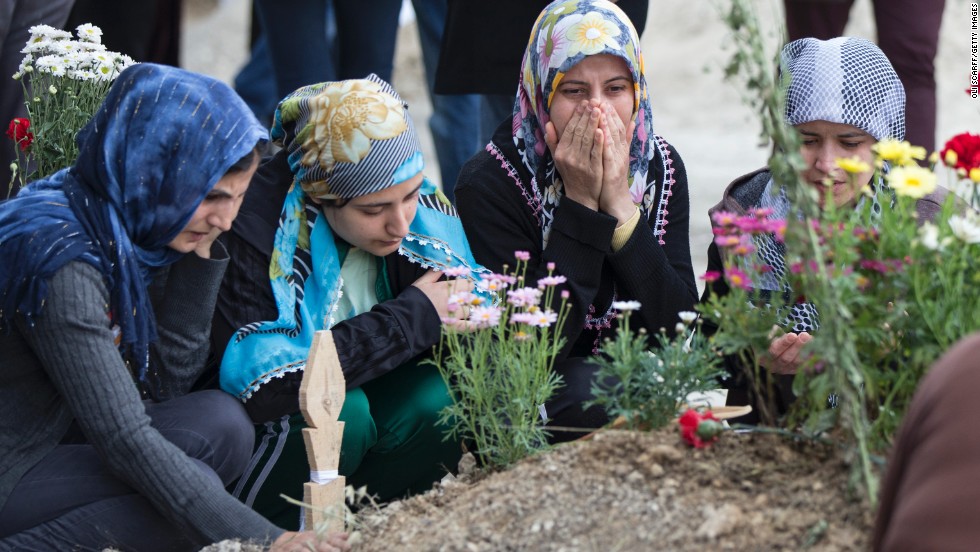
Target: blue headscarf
<point x="158" y="143"/>
<point x="345" y="139"/>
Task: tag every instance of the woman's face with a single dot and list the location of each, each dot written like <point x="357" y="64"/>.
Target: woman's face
<point x="217" y="211"/>
<point x="377" y="222"/>
<point x="602" y="77"/>
<point x="823" y="144"/>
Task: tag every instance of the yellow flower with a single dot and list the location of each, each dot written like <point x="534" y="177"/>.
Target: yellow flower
<point x="975" y="175"/>
<point x="591" y="34"/>
<point x="853" y="165"/>
<point x="912" y="181"/>
<point x="344" y="117"/>
<point x="888" y="149"/>
<point x="951" y="158"/>
<point x="898" y="152"/>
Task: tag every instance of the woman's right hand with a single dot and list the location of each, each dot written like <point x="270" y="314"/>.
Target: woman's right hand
<point x="438" y="292"/>
<point x="306" y="541"/>
<point x="784" y="354"/>
<point x="578" y="154"/>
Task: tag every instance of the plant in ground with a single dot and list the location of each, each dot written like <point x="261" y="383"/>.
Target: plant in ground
<point x="499" y="366"/>
<point x="646" y="384"/>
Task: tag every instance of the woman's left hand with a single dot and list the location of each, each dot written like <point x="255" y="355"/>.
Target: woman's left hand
<point x="203" y="248"/>
<point x="615" y="198"/>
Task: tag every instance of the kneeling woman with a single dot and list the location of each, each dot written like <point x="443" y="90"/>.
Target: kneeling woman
<point x="87" y="461"/>
<point x="843" y="98"/>
<point x="352" y="236"/>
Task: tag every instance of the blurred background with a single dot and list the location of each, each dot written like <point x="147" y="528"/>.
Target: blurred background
<point x="685" y="48"/>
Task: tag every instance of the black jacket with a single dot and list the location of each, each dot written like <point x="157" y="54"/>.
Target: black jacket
<point x="369" y="344"/>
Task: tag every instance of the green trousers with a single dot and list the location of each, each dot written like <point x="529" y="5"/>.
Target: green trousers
<point x="393" y="444"/>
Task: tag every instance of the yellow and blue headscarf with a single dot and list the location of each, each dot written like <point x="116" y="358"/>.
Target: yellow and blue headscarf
<point x="158" y="143"/>
<point x="344" y="139"/>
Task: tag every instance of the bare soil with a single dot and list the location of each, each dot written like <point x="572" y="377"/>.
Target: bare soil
<point x="628" y="491"/>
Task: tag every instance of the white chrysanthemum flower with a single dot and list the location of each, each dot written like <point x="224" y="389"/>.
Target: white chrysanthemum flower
<point x="687" y="316"/>
<point x="37" y="48"/>
<point x="91" y="47"/>
<point x="929" y="236"/>
<point x="104" y="73"/>
<point x="48" y="32"/>
<point x="101" y="58"/>
<point x="965" y="228"/>
<point x="88" y="32"/>
<point x="45" y="63"/>
<point x="53" y="89"/>
<point x="57" y="70"/>
<point x="25" y="63"/>
<point x="123" y="61"/>
<point x="85" y="75"/>
<point x="76" y="60"/>
<point x="624" y="306"/>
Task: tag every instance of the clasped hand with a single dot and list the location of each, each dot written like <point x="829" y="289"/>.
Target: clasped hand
<point x="592" y="157"/>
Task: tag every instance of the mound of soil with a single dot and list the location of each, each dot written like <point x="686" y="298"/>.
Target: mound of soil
<point x="625" y="490"/>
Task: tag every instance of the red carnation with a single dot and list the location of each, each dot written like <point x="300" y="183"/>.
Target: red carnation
<point x="19" y="131"/>
<point x="699" y="430"/>
<point x="965" y="148"/>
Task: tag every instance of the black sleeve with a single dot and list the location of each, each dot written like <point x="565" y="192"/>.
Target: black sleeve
<point x="368" y="346"/>
<point x="183" y="297"/>
<point x="499" y="221"/>
<point x="661" y="277"/>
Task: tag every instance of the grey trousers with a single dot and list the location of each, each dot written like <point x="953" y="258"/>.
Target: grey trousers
<point x="71" y="501"/>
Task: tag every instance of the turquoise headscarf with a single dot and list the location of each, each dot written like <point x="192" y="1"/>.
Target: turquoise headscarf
<point x="345" y="139"/>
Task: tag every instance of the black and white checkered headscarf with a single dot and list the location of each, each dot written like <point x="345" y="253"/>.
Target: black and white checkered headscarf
<point x="843" y="80"/>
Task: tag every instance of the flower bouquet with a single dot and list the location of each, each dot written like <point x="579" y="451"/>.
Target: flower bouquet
<point x="64" y="82"/>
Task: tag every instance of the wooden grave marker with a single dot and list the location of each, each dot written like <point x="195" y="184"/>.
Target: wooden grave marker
<point x="321" y="396"/>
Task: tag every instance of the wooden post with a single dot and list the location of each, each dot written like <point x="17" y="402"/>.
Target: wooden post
<point x="321" y="396"/>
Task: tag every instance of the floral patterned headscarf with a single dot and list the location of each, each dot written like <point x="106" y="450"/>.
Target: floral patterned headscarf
<point x="343" y="139"/>
<point x="566" y="32"/>
<point x="347" y="138"/>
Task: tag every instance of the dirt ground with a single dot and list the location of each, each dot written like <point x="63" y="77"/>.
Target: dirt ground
<point x="630" y="491"/>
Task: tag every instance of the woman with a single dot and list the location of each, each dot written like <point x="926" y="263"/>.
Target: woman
<point x="578" y="179"/>
<point x="84" y="461"/>
<point x="353" y="236"/>
<point x="843" y="98"/>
